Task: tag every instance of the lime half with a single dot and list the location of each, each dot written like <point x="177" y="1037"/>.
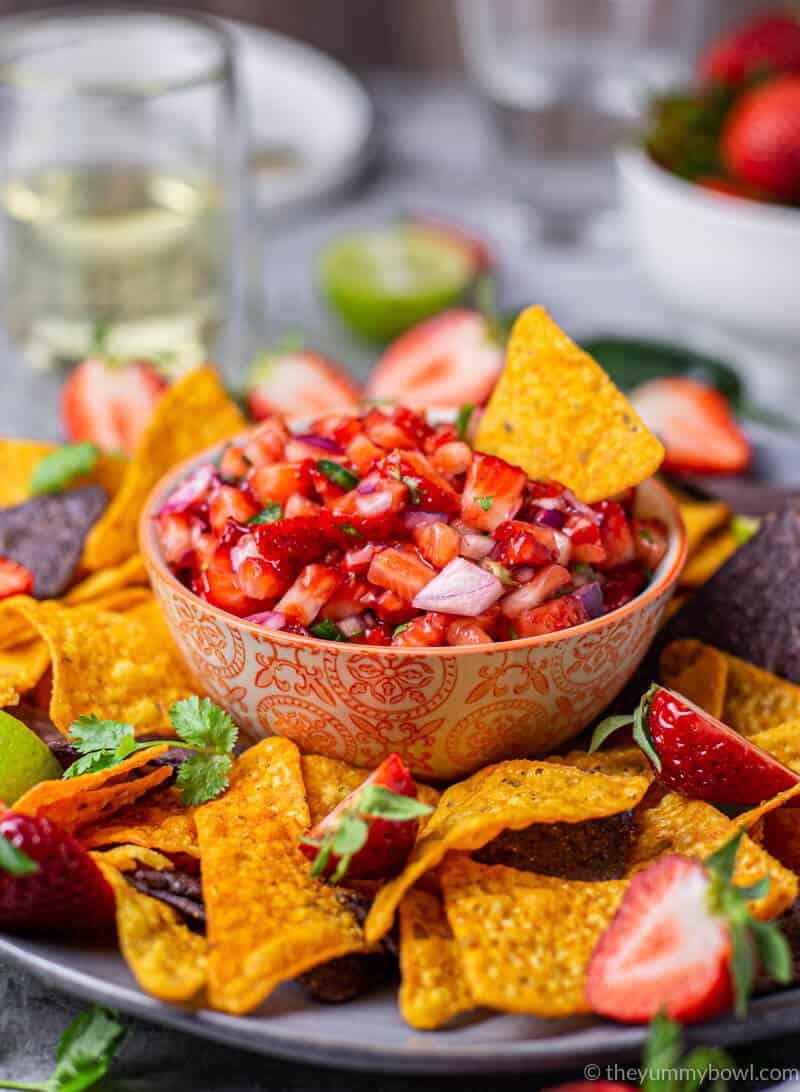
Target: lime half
<point x="24" y="759"/>
<point x="383" y="282"/>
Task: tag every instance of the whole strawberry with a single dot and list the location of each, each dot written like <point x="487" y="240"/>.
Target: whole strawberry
<point x="771" y="42"/>
<point x="760" y="142"/>
<point x="48" y="881"/>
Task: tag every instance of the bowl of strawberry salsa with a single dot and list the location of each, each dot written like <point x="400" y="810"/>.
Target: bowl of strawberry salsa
<point x="372" y="584"/>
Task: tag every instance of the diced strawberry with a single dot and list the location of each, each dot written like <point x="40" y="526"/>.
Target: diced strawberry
<point x="385" y="433"/>
<point x="552" y="616"/>
<point x="352" y="596"/>
<point x="695" y="424"/>
<point x="428" y="490"/>
<point x="359" y="559"/>
<point x="298" y="505"/>
<point x="544" y="585"/>
<point x="339" y="427"/>
<point x="110" y="404"/>
<point x="375" y="498"/>
<point x="310" y="592"/>
<point x="175" y="536"/>
<point x="217" y="583"/>
<point x="451" y="358"/>
<point x="492" y="492"/>
<point x="393" y="610"/>
<point x="297" y="383"/>
<point x="233" y="463"/>
<point x="267" y="443"/>
<point x="389" y="842"/>
<point x="452" y="458"/>
<point x="622" y="584"/>
<point x="584" y="535"/>
<point x="438" y="542"/>
<point x="66" y="894"/>
<point x="276" y="482"/>
<point x="288" y="544"/>
<point x="377" y="632"/>
<point x="425" y="631"/>
<point x="15" y="579"/>
<point x="650" y="536"/>
<point x="325" y="490"/>
<point x="258" y="580"/>
<point x="519" y="543"/>
<point x="363" y="454"/>
<point x="229" y="502"/>
<point x="402" y="572"/>
<point x="665" y="951"/>
<point x="466" y="631"/>
<point x="616" y="536"/>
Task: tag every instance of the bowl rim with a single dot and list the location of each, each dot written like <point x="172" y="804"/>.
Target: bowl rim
<point x="148" y="544"/>
<point x="633" y="161"/>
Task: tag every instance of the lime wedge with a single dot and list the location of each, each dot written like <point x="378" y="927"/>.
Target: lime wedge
<point x="24" y="759"/>
<point x="383" y="282"/>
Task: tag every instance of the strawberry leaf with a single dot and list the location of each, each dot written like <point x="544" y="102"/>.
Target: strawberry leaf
<point x="773" y="950"/>
<point x="324" y="850"/>
<point x="63" y="466"/>
<point x="376" y="801"/>
<point x="607" y="728"/>
<point x="201" y="723"/>
<point x="663" y="1068"/>
<point x="723" y="861"/>
<point x="641" y="730"/>
<point x="13" y="861"/>
<point x="349" y="837"/>
<point x="203" y="777"/>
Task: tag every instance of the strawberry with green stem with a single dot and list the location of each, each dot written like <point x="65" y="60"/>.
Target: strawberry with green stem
<point x="201" y="727"/>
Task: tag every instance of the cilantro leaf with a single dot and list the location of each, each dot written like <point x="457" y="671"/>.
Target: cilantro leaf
<point x="401" y="628"/>
<point x="83" y="1054"/>
<point x="350" y="836"/>
<point x="268" y="514"/>
<point x="463" y="419"/>
<point x="349" y="529"/>
<point x="201" y="723"/>
<point x="62" y="466"/>
<point x="14" y="861"/>
<point x="485" y="502"/>
<point x="88" y="733"/>
<point x="203" y="777"/>
<point x="338" y="474"/>
<point x="91" y="763"/>
<point x="327" y="629"/>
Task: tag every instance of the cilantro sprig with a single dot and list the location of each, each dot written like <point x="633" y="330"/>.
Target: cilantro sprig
<point x="13" y="861"/>
<point x="350" y="833"/>
<point x="201" y="726"/>
<point x="83" y="1054"/>
<point x="63" y="466"/>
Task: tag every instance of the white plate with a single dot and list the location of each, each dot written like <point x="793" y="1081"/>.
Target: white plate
<point x="308" y="105"/>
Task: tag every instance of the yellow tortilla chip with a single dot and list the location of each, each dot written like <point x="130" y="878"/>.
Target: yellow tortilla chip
<point x="166" y="958"/>
<point x="621" y="760"/>
<point x="697" y="671"/>
<point x="670" y="823"/>
<point x="433" y="988"/>
<point x="756" y="699"/>
<point x="194" y="413"/>
<point x="115" y="665"/>
<point x="782" y="741"/>
<point x="701" y="518"/>
<point x="555" y="413"/>
<point x="128" y="858"/>
<point x="78" y="801"/>
<point x="96" y="586"/>
<point x="525" y="940"/>
<point x="268" y="919"/>
<point x="329" y="780"/>
<point x="161" y="822"/>
<point x="508" y="796"/>
<point x="21" y="668"/>
<point x="674" y="605"/>
<point x="707" y="558"/>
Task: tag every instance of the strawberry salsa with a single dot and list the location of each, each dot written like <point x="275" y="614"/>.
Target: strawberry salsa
<point x="382" y="528"/>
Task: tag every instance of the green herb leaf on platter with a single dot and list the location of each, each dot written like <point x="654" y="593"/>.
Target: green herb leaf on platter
<point x="62" y="466"/>
<point x="83" y="1054"/>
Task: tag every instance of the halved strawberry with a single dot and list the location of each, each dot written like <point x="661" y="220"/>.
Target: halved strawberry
<point x="297" y="383"/>
<point x="492" y="492"/>
<point x="310" y="592"/>
<point x="683" y="943"/>
<point x="370" y="833"/>
<point x="768" y="43"/>
<point x="451" y="358"/>
<point x="401" y="571"/>
<point x="15" y="579"/>
<point x="65" y="892"/>
<point x="695" y="424"/>
<point x="697" y="755"/>
<point x="109" y="404"/>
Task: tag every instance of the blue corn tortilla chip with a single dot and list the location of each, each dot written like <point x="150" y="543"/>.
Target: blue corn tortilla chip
<point x="46" y="534"/>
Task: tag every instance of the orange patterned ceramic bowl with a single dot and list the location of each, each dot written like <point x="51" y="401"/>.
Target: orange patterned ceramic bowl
<point x="448" y="711"/>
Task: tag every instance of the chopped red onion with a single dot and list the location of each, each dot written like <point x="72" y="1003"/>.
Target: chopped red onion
<point x="352" y="625"/>
<point x="247" y="546"/>
<point x="579" y="506"/>
<point x="368" y="485"/>
<point x="551" y="517"/>
<point x="375" y="504"/>
<point x="551" y="503"/>
<point x="460" y="588"/>
<point x="192" y="490"/>
<point x="522" y="574"/>
<point x="321" y="442"/>
<point x="563" y="547"/>
<point x="547" y="581"/>
<point x="420" y="519"/>
<point x="476" y="546"/>
<point x="272" y="619"/>
<point x="591" y="595"/>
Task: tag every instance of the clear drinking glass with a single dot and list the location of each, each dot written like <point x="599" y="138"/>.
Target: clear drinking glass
<point x="122" y="149"/>
<point x="566" y="80"/>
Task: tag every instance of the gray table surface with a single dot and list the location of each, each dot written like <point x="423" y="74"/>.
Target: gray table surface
<point x="436" y="155"/>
